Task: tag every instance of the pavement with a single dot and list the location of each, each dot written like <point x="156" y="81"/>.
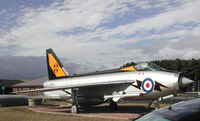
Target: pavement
<point x="125" y="112"/>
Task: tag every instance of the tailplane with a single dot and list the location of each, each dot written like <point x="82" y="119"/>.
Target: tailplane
<point x="55" y="68"/>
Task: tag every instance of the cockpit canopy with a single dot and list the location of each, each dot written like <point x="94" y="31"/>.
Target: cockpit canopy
<point x="148" y="67"/>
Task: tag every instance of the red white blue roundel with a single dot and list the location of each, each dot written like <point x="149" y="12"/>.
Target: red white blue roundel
<point x="148" y="85"/>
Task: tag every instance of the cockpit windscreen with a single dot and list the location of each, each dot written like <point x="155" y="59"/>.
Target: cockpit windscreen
<point x="148" y="67"/>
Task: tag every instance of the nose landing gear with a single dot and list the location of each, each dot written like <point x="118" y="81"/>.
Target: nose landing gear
<point x="156" y="104"/>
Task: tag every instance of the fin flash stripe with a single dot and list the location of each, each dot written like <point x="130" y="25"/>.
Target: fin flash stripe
<point x="55" y="67"/>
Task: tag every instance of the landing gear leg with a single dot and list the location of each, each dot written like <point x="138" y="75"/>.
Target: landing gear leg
<point x="113" y="105"/>
<point x="156" y="104"/>
<point x="74" y="108"/>
<point x="149" y="105"/>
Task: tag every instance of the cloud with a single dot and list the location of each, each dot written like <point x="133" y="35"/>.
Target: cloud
<point x="186" y="48"/>
<point x="143" y="4"/>
<point x="39" y="29"/>
<point x="2" y="12"/>
<point x="19" y="67"/>
<point x="187" y="43"/>
<point x="31" y="67"/>
<point x="173" y="16"/>
<point x="6" y="38"/>
<point x="96" y="35"/>
<point x="70" y="15"/>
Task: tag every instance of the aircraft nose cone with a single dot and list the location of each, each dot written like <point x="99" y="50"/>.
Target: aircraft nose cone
<point x="186" y="81"/>
<point x="183" y="82"/>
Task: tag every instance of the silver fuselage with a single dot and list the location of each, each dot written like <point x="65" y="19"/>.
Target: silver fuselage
<point x="167" y="82"/>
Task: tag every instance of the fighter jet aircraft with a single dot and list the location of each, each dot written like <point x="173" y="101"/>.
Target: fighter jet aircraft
<point x="140" y="82"/>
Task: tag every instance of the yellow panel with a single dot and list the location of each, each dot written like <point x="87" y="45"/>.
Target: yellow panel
<point x="130" y="68"/>
<point x="55" y="67"/>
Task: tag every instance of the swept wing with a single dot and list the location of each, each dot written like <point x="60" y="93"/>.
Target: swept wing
<point x="78" y="86"/>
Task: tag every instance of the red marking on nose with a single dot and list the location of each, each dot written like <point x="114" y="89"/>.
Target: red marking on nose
<point x="147" y="85"/>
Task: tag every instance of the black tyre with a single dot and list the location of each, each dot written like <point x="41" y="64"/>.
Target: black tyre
<point x="113" y="106"/>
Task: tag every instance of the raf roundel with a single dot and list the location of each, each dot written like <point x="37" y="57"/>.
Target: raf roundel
<point x="148" y="85"/>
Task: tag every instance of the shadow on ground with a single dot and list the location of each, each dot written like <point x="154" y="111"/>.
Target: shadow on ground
<point x="105" y="109"/>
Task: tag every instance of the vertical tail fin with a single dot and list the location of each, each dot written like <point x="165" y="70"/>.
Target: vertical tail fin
<point x="55" y="68"/>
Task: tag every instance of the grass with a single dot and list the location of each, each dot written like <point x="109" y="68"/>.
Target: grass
<point x="21" y="113"/>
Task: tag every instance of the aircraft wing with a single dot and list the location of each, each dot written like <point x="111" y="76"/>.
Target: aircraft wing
<point x="78" y="86"/>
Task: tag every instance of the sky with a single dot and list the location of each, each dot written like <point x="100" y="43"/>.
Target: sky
<point x="92" y="35"/>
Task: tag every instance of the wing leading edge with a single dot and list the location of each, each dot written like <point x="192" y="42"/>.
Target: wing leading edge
<point x="78" y="86"/>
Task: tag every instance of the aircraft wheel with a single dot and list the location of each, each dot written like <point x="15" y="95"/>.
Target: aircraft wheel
<point x="74" y="109"/>
<point x="113" y="106"/>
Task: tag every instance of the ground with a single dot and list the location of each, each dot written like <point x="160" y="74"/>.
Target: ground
<point x="62" y="113"/>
